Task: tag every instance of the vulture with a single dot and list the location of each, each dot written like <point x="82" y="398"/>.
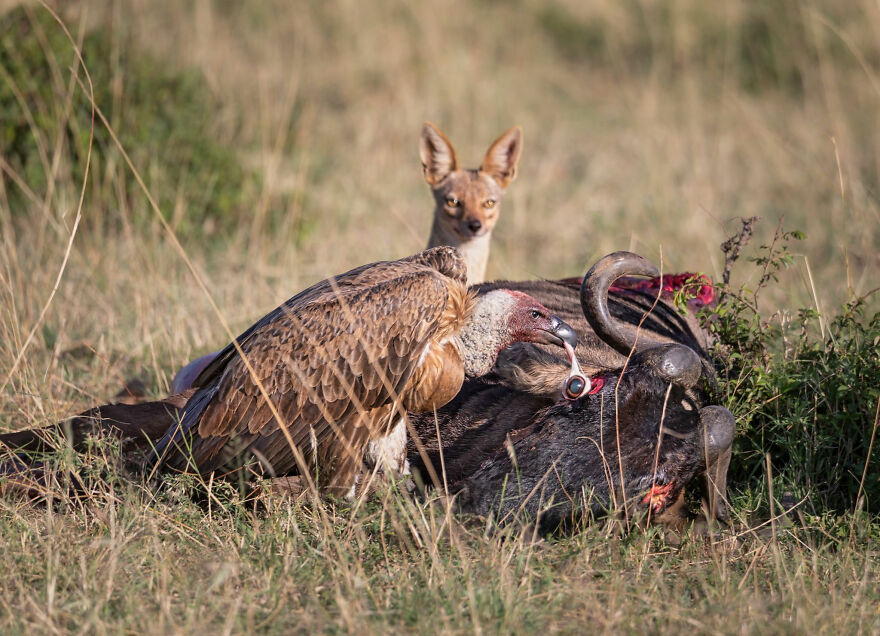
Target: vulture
<point x="341" y="362"/>
<point x="320" y="385"/>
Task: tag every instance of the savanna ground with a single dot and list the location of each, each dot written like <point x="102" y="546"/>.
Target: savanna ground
<point x="279" y="141"/>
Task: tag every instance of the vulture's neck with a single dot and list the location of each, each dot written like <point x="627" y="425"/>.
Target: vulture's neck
<point x="485" y="332"/>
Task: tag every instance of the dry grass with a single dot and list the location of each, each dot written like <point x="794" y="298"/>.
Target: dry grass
<point x="652" y="138"/>
<point x="159" y="566"/>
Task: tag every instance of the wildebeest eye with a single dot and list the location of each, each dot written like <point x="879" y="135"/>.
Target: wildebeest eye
<point x="575" y="387"/>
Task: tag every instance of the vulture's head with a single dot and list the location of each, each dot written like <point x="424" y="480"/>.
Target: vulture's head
<point x="530" y="321"/>
<point x="503" y="317"/>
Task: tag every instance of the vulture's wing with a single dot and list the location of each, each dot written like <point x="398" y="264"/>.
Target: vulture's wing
<point x="337" y="350"/>
<point x="444" y="260"/>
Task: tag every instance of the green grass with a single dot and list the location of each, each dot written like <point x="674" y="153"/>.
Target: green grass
<point x="280" y="141"/>
<point x="805" y="390"/>
<point x="159" y="113"/>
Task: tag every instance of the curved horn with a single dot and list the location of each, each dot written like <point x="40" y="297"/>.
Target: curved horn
<point x="718" y="426"/>
<point x="594" y="295"/>
<point x="676" y="362"/>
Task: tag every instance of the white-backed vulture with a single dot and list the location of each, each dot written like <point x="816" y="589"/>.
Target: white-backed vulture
<point x="341" y="361"/>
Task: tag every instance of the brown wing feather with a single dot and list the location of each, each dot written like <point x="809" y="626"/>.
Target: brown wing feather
<point x="329" y="354"/>
<point x="445" y="260"/>
<point x="439" y="377"/>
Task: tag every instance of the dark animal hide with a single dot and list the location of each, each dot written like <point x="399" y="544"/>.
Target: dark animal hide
<point x="512" y="445"/>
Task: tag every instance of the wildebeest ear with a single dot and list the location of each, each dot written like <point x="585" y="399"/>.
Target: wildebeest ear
<point x="437" y="154"/>
<point x="502" y="156"/>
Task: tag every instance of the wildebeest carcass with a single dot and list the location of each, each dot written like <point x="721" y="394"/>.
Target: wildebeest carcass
<point x="523" y="441"/>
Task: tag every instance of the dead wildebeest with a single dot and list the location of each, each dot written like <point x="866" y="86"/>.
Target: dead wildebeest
<point x="527" y="439"/>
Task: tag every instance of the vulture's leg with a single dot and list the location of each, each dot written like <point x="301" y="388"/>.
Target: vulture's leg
<point x="388" y="453"/>
<point x="344" y="473"/>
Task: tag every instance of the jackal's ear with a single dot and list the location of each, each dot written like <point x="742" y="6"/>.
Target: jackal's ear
<point x="500" y="160"/>
<point x="437" y="154"/>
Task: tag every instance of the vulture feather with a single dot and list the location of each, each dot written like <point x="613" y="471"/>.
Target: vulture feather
<point x="339" y="361"/>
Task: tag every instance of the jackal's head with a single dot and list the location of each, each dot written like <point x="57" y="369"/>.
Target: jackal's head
<point x="467" y="201"/>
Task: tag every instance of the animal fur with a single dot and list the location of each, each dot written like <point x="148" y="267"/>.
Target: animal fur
<point x="467" y="202"/>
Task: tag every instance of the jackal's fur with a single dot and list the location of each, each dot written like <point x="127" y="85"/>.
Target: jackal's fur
<point x="468" y="202"/>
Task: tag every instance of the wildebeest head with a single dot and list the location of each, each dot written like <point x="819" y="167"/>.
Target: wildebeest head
<point x="632" y="443"/>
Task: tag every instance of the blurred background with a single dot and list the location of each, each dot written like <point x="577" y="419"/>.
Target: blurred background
<point x="280" y="141"/>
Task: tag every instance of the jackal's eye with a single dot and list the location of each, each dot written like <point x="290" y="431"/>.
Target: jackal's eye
<point x="489" y="203"/>
<point x="452" y="202"/>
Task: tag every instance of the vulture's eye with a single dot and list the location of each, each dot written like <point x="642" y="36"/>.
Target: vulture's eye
<point x="489" y="204"/>
<point x="452" y="202"/>
<point x="536" y="314"/>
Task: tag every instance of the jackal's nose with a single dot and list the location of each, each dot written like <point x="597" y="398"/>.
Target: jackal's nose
<point x="474" y="225"/>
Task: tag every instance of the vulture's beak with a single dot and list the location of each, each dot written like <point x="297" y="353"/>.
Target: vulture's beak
<point x="560" y="333"/>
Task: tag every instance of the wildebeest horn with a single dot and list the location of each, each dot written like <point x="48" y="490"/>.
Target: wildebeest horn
<point x="594" y="295"/>
<point x="718" y="427"/>
<point x="675" y="362"/>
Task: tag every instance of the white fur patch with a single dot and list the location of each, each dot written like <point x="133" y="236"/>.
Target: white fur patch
<point x="352" y="492"/>
<point x="389" y="453"/>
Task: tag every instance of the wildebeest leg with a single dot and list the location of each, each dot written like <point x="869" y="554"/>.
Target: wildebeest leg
<point x="21" y="478"/>
<point x="136" y="425"/>
<point x="718" y="427"/>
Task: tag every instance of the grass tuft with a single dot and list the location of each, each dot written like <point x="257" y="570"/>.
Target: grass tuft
<point x="805" y="390"/>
